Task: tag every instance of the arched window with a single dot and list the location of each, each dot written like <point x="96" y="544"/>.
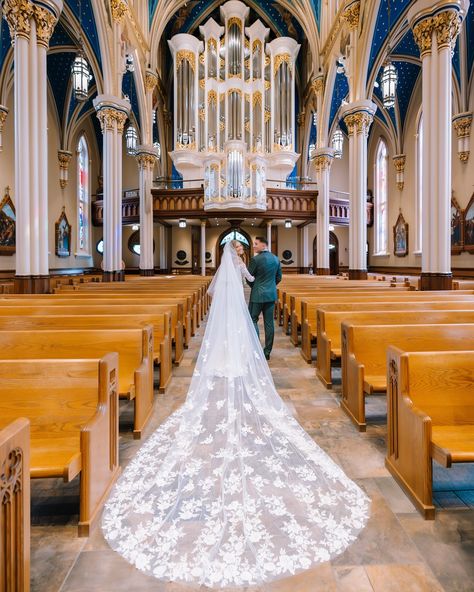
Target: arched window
<point x="235" y="235"/>
<point x="419" y="185"/>
<point x="381" y="198"/>
<point x="83" y="197"/>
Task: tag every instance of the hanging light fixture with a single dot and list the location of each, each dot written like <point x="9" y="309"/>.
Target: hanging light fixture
<point x="131" y="140"/>
<point x="157" y="147"/>
<point x="312" y="148"/>
<point x="337" y="143"/>
<point x="81" y="75"/>
<point x="182" y="223"/>
<point x="288" y="224"/>
<point x="389" y="78"/>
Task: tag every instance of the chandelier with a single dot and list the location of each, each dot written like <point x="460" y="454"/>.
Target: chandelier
<point x="389" y="78"/>
<point x="337" y="143"/>
<point x="81" y="75"/>
<point x="131" y="140"/>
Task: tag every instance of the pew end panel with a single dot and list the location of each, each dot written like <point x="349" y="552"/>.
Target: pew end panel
<point x="15" y="506"/>
<point x="430" y="417"/>
<point x="143" y="381"/>
<point x="352" y="374"/>
<point x="100" y="447"/>
<point x="323" y="359"/>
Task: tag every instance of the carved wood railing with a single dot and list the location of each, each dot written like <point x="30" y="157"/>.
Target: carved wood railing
<point x="189" y="203"/>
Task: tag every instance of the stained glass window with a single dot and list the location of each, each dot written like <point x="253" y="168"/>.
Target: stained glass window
<point x="381" y="195"/>
<point x="419" y="185"/>
<point x="83" y="196"/>
<point x="235" y="235"/>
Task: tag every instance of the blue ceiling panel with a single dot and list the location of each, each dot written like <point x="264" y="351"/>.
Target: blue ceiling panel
<point x="5" y="42"/>
<point x="340" y="92"/>
<point x="88" y="23"/>
<point x="470" y="36"/>
<point x="59" y="75"/>
<point x="384" y="112"/>
<point x="61" y="37"/>
<point x="407" y="46"/>
<point x="129" y="89"/>
<point x="381" y="26"/>
<point x="407" y="76"/>
<point x="381" y="115"/>
<point x="457" y="61"/>
<point x="98" y="135"/>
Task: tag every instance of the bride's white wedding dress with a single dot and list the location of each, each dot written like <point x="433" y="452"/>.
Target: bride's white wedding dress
<point x="230" y="490"/>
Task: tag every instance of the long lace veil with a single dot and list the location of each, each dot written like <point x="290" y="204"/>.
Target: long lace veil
<point x="230" y="490"/>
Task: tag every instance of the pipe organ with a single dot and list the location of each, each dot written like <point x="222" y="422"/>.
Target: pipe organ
<point x="234" y="109"/>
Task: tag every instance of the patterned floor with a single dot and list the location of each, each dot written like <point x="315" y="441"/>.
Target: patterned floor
<point x="398" y="550"/>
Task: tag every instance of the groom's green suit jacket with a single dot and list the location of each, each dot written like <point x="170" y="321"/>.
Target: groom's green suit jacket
<point x="266" y="269"/>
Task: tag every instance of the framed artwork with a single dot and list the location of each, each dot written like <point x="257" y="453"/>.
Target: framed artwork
<point x="63" y="236"/>
<point x="400" y="237"/>
<point x="7" y="225"/>
<point x="456" y="227"/>
<point x="468" y="238"/>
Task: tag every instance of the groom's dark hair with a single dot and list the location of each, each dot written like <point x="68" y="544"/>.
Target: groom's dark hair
<point x="262" y="239"/>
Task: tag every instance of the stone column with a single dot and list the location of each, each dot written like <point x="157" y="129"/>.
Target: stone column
<point x="31" y="27"/>
<point x="146" y="157"/>
<point x="305" y="247"/>
<point x="112" y="113"/>
<point x="163" y="233"/>
<point x="269" y="235"/>
<point x="358" y="117"/>
<point x="322" y="162"/>
<point x="203" y="247"/>
<point x="435" y="28"/>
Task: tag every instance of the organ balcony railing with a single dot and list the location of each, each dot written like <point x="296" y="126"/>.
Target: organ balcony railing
<point x="282" y="203"/>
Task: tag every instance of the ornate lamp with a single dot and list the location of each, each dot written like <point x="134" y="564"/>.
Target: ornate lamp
<point x="288" y="224"/>
<point x="157" y="147"/>
<point x="389" y="83"/>
<point x="81" y="75"/>
<point x="337" y="143"/>
<point x="131" y="140"/>
<point x="182" y="223"/>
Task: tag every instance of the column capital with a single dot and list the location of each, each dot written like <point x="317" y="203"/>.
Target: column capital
<point x="18" y="14"/>
<point x="461" y="123"/>
<point x="203" y="223"/>
<point x="46" y="20"/>
<point x="112" y="112"/>
<point x="399" y="161"/>
<point x="358" y="116"/>
<point x="323" y="158"/>
<point x="3" y="115"/>
<point x="151" y="80"/>
<point x="146" y="156"/>
<point x="443" y="18"/>
<point x="351" y="14"/>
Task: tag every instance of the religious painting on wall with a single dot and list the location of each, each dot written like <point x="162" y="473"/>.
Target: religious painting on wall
<point x="400" y="237"/>
<point x="63" y="236"/>
<point x="7" y="225"/>
<point x="469" y="226"/>
<point x="456" y="228"/>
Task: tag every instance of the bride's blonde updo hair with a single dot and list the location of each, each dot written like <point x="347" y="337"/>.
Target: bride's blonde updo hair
<point x="235" y="243"/>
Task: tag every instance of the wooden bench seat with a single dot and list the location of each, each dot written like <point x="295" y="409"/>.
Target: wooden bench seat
<point x="134" y="346"/>
<point x="14" y="505"/>
<point x="72" y="406"/>
<point x="329" y="329"/>
<point x="364" y="351"/>
<point x="430" y="417"/>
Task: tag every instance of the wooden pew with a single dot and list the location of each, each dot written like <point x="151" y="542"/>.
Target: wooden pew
<point x="134" y="346"/>
<point x="14" y="505"/>
<point x="309" y="307"/>
<point x="72" y="406"/>
<point x="159" y="322"/>
<point x="430" y="417"/>
<point x="365" y="350"/>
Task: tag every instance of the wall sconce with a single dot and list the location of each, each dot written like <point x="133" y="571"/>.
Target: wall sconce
<point x="288" y="224"/>
<point x="135" y="227"/>
<point x="64" y="158"/>
<point x="182" y="223"/>
<point x="462" y="125"/>
<point x="399" y="161"/>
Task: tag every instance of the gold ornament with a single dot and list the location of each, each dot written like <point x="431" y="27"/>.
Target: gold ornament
<point x="45" y="23"/>
<point x="18" y="14"/>
<point x="212" y="98"/>
<point x="322" y="162"/>
<point x="358" y="122"/>
<point x="145" y="160"/>
<point x="257" y="98"/>
<point x="463" y="126"/>
<point x="185" y="54"/>
<point x="234" y="21"/>
<point x="464" y="156"/>
<point x="257" y="44"/>
<point x="151" y="81"/>
<point x="119" y="9"/>
<point x="279" y="60"/>
<point x="447" y="26"/>
<point x="111" y="119"/>
<point x="423" y="34"/>
<point x="318" y="85"/>
<point x="351" y="15"/>
<point x="399" y="162"/>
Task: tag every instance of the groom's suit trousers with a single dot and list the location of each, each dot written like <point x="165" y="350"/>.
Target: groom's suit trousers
<point x="255" y="308"/>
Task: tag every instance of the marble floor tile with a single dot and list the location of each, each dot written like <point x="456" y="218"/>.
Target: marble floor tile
<point x="409" y="578"/>
<point x="352" y="578"/>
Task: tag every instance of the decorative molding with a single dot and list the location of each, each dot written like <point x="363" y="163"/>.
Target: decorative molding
<point x="358" y="122"/>
<point x="399" y="161"/>
<point x="446" y="25"/>
<point x="189" y="56"/>
<point x="462" y="125"/>
<point x="111" y="119"/>
<point x="145" y="159"/>
<point x="318" y="85"/>
<point x="151" y="80"/>
<point x="119" y="10"/>
<point x="351" y="14"/>
<point x="18" y="14"/>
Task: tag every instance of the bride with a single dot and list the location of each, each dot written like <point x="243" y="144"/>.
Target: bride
<point x="230" y="490"/>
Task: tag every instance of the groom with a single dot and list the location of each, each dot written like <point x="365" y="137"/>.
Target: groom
<point x="266" y="270"/>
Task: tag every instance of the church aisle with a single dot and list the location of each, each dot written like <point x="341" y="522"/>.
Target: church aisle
<point x="398" y="550"/>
